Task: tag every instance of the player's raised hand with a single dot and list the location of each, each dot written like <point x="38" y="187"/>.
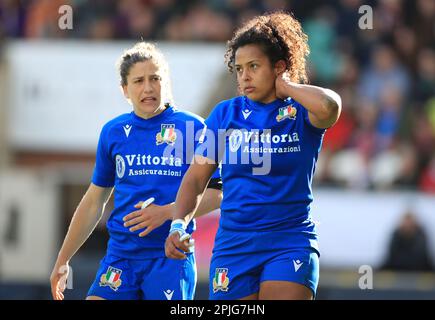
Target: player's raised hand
<point x="281" y="85"/>
<point x="58" y="280"/>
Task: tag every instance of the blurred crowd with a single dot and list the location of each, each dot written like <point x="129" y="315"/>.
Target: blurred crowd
<point x="385" y="75"/>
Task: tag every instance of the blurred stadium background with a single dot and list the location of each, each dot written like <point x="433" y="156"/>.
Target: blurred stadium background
<point x="376" y="171"/>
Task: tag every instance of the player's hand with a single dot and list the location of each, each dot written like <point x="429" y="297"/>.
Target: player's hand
<point x="173" y="245"/>
<point x="178" y="240"/>
<point x="148" y="218"/>
<point x="58" y="280"/>
<point x="281" y="85"/>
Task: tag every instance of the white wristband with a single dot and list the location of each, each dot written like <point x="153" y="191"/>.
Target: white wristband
<point x="179" y="221"/>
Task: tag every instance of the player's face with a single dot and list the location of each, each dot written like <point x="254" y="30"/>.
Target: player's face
<point x="255" y="74"/>
<point x="144" y="89"/>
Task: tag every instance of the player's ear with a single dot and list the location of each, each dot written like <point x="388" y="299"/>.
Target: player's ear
<point x="280" y="67"/>
<point x="124" y="91"/>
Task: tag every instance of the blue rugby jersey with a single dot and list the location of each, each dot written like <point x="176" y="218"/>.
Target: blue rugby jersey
<point x="142" y="159"/>
<point x="277" y="199"/>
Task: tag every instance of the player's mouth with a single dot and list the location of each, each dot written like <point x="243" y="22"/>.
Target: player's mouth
<point x="248" y="90"/>
<point x="148" y="100"/>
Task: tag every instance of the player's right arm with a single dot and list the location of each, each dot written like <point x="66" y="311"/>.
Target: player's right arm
<point x="85" y="219"/>
<point x="188" y="198"/>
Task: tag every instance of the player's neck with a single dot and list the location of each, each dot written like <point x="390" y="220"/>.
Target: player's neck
<point x="149" y="115"/>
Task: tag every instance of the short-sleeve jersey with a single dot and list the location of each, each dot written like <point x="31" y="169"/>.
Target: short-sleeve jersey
<point x="268" y="154"/>
<point x="142" y="159"/>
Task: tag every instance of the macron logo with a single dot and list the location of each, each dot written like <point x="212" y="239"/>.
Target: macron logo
<point x="168" y="293"/>
<point x="246" y="113"/>
<point x="127" y="129"/>
<point x="297" y="264"/>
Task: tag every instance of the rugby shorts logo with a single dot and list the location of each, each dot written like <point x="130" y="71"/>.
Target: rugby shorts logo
<point x="221" y="280"/>
<point x="112" y="278"/>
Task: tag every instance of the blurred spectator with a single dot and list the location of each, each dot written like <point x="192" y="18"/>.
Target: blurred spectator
<point x="430" y="110"/>
<point x="43" y="19"/>
<point x="424" y="23"/>
<point x="388" y="15"/>
<point x="102" y="28"/>
<point x="200" y="23"/>
<point x="321" y="38"/>
<point x="405" y="44"/>
<point x="424" y="87"/>
<point x="390" y="106"/>
<point x="395" y="167"/>
<point x="338" y="136"/>
<point x="423" y="136"/>
<point x="348" y="18"/>
<point x="383" y="71"/>
<point x="12" y="18"/>
<point x="385" y="168"/>
<point x="427" y="180"/>
<point x="408" y="175"/>
<point x="408" y="249"/>
<point x="348" y="168"/>
<point x="164" y="11"/>
<point x="364" y="138"/>
<point x="140" y="17"/>
<point x="273" y="5"/>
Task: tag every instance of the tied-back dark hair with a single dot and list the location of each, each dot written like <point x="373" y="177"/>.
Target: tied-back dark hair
<point x="280" y="36"/>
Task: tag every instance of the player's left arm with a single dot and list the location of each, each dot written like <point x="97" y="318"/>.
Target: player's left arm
<point x="211" y="200"/>
<point x="323" y="105"/>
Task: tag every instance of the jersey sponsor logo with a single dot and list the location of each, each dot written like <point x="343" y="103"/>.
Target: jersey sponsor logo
<point x="112" y="278"/>
<point x="221" y="280"/>
<point x="297" y="264"/>
<point x="155" y="172"/>
<point x="254" y="137"/>
<point x="286" y="112"/>
<point x="148" y="160"/>
<point x="120" y="166"/>
<point x="127" y="129"/>
<point x="235" y="140"/>
<point x="168" y="294"/>
<point x="167" y="134"/>
<point x="136" y="165"/>
<point x="265" y="150"/>
<point x="246" y="113"/>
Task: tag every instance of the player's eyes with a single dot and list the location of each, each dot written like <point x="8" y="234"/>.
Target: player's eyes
<point x="138" y="81"/>
<point x="254" y="66"/>
<point x="156" y="78"/>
